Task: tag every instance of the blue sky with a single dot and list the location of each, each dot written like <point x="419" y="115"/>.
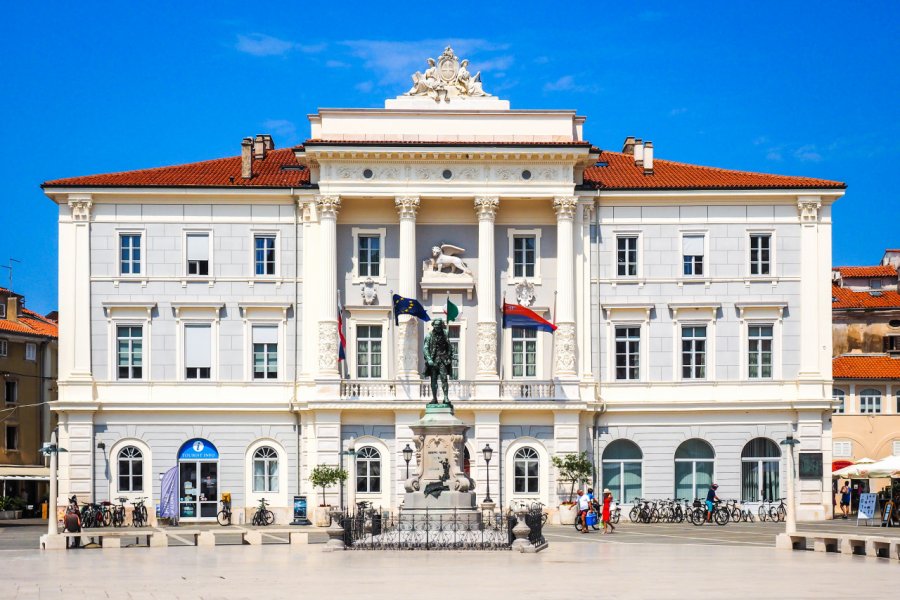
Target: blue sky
<point x="810" y="89"/>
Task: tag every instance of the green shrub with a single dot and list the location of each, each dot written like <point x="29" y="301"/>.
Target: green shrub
<point x="324" y="476"/>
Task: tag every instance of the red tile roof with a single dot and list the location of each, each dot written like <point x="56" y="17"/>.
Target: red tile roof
<point x="865" y="366"/>
<point x="30" y="323"/>
<point x="874" y="271"/>
<point x="623" y="174"/>
<point x="222" y="172"/>
<point x="847" y="298"/>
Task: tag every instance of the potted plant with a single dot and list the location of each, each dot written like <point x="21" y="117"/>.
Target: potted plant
<point x="324" y="476"/>
<point x="572" y="468"/>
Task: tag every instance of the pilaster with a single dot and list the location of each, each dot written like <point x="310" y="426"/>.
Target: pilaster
<point x="486" y="211"/>
<point x="327" y="207"/>
<point x="808" y="208"/>
<point x="407" y="329"/>
<point x="487" y="432"/>
<point x="75" y="296"/>
<point x="565" y="343"/>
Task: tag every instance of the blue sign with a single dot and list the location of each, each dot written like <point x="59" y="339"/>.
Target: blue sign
<point x="198" y="449"/>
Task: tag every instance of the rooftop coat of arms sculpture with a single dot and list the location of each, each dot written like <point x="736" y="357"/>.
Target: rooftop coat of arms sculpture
<point x="446" y="78"/>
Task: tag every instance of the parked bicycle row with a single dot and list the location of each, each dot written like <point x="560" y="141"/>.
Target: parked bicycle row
<point x="104" y="514"/>
<point x="721" y="512"/>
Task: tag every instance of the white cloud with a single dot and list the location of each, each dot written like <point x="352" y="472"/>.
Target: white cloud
<point x="336" y="64"/>
<point x="760" y="140"/>
<point x="567" y="83"/>
<point x="807" y="153"/>
<point x="258" y="44"/>
<point x="284" y="131"/>
<point x="677" y="111"/>
<point x="364" y="86"/>
<point x="774" y="154"/>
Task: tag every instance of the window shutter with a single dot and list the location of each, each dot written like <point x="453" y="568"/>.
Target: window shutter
<point x="198" y="246"/>
<point x="693" y="245"/>
<point x="265" y="334"/>
<point x="198" y="346"/>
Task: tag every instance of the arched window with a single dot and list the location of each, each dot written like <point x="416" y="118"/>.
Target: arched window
<point x="368" y="470"/>
<point x="870" y="402"/>
<point x="131" y="470"/>
<point x="622" y="470"/>
<point x="526" y="471"/>
<point x="839" y="398"/>
<point x="760" y="462"/>
<point x="265" y="470"/>
<point x="694" y="460"/>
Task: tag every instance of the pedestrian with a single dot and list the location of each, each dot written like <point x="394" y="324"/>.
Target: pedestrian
<point x="584" y="505"/>
<point x="607" y="512"/>
<point x="711" y="499"/>
<point x="845" y="500"/>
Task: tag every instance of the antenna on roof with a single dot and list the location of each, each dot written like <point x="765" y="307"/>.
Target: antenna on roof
<point x="10" y="268"/>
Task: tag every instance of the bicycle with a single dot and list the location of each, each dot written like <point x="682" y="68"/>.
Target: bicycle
<point x="263" y="516"/>
<point x="118" y="513"/>
<point x="224" y="515"/>
<point x="720" y="514"/>
<point x="139" y="512"/>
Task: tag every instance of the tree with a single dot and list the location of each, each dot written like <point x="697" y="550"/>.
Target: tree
<point x="573" y="468"/>
<point x="324" y="476"/>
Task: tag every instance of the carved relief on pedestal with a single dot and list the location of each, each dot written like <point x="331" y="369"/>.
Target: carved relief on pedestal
<point x="328" y="346"/>
<point x="407" y="347"/>
<point x="565" y="207"/>
<point x="487" y="348"/>
<point x="446" y="78"/>
<point x="565" y="343"/>
<point x="412" y="484"/>
<point x="368" y="292"/>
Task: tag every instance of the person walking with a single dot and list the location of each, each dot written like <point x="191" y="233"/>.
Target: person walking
<point x="584" y="505"/>
<point x="845" y="500"/>
<point x="607" y="512"/>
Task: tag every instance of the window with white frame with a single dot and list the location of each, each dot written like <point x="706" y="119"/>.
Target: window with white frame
<point x="4" y="347"/>
<point x="895" y="448"/>
<point x="870" y="402"/>
<point x="627" y="256"/>
<point x="524" y="255"/>
<point x="264" y="254"/>
<point x="265" y="470"/>
<point x="368" y="351"/>
<point x="524" y="352"/>
<point x="198" y="350"/>
<point x="842" y="448"/>
<point x="197" y="254"/>
<point x="11" y="391"/>
<point x="12" y="437"/>
<point x="368" y="470"/>
<point x="368" y="254"/>
<point x="131" y="469"/>
<point x="759" y="351"/>
<point x="526" y="471"/>
<point x="760" y="253"/>
<point x="129" y="253"/>
<point x="3" y="308"/>
<point x="30" y="351"/>
<point x="693" y="352"/>
<point x="692" y="252"/>
<point x="130" y="351"/>
<point x="453" y="332"/>
<point x="628" y="353"/>
<point x="265" y="351"/>
<point x="840" y="398"/>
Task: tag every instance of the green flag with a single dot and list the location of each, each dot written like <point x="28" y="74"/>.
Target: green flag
<point x="452" y="311"/>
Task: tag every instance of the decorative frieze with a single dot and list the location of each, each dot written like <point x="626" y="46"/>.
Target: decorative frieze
<point x="328" y="346"/>
<point x="407" y="347"/>
<point x="487" y="349"/>
<point x="565" y="345"/>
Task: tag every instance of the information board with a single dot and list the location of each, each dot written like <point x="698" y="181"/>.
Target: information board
<point x="810" y="465"/>
<point x="866" y="510"/>
<point x="300" y="510"/>
<point x="887" y="514"/>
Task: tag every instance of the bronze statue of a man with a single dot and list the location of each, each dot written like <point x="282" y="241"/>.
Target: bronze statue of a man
<point x="438" y="360"/>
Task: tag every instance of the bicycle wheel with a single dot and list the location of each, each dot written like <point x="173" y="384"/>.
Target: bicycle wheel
<point x="698" y="515"/>
<point x="781" y="513"/>
<point x="736" y="514"/>
<point x="762" y="513"/>
<point x="634" y="513"/>
<point x="223" y="518"/>
<point x="678" y="515"/>
<point x="721" y="516"/>
<point x="654" y="515"/>
<point x="615" y="517"/>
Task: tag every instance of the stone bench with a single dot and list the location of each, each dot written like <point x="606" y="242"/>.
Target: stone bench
<point x="853" y="544"/>
<point x="880" y="547"/>
<point x="105" y="538"/>
<point x="826" y="543"/>
<point x="254" y="537"/>
<point x="794" y="541"/>
<point x="159" y="538"/>
<point x="849" y="544"/>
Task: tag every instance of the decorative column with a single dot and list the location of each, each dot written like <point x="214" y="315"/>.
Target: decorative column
<point x="328" y="207"/>
<point x="407" y="332"/>
<point x="808" y="207"/>
<point x="564" y="342"/>
<point x="486" y="209"/>
<point x="75" y="293"/>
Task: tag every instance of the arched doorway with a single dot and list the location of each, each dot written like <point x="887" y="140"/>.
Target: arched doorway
<point x="198" y="480"/>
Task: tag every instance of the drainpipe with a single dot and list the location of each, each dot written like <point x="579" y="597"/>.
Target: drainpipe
<point x="296" y="328"/>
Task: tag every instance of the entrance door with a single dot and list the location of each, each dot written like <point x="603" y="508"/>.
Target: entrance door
<point x="188" y="490"/>
<point x="198" y="480"/>
<point x="209" y="485"/>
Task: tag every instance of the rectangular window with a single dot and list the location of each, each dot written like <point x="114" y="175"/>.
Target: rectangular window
<point x="3" y="309"/>
<point x="760" y="254"/>
<point x="870" y="404"/>
<point x="368" y="351"/>
<point x="842" y="449"/>
<point x="839" y="400"/>
<point x="759" y="356"/>
<point x="129" y="347"/>
<point x="11" y="389"/>
<point x="895" y="448"/>
<point x="875" y="284"/>
<point x="628" y="353"/>
<point x="197" y="351"/>
<point x="198" y="254"/>
<point x="12" y="437"/>
<point x="265" y="351"/>
<point x="130" y="254"/>
<point x="4" y="348"/>
<point x="369" y="256"/>
<point x="453" y="336"/>
<point x="524" y="255"/>
<point x="693" y="251"/>
<point x="693" y="352"/>
<point x="30" y="351"/>
<point x="524" y="352"/>
<point x="891" y="344"/>
<point x="626" y="256"/>
<point x="264" y="254"/>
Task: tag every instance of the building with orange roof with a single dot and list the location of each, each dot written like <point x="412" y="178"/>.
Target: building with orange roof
<point x="28" y="368"/>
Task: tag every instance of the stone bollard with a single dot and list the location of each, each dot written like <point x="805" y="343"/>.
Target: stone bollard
<point x="335" y="533"/>
<point x="521" y="531"/>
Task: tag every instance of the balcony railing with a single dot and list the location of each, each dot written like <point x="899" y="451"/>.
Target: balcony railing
<point x="352" y="389"/>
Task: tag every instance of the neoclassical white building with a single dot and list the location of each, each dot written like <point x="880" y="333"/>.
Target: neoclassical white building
<point x="199" y="311"/>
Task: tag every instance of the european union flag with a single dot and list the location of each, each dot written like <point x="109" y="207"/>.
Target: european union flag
<point x="408" y="306"/>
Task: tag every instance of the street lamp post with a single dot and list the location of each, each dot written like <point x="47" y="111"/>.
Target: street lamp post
<point x="53" y="450"/>
<point x="407" y="456"/>
<point x="350" y="451"/>
<point x="791" y="516"/>
<point x="488" y="452"/>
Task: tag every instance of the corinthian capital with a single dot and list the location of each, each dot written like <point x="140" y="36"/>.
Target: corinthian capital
<point x="808" y="207"/>
<point x="486" y="207"/>
<point x="565" y="207"/>
<point x="328" y="205"/>
<point x="407" y="206"/>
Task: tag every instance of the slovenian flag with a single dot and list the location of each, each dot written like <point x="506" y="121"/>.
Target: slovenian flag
<point x="342" y="349"/>
<point x="516" y="315"/>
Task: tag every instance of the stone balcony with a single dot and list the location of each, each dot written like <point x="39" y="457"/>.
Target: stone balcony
<point x="361" y="389"/>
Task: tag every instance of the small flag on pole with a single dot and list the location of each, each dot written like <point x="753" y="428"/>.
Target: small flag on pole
<point x="516" y="315"/>
<point x="452" y="311"/>
<point x="408" y="306"/>
<point x="342" y="349"/>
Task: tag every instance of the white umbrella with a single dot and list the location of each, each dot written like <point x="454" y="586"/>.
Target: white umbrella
<point x="858" y="470"/>
<point x="885" y="467"/>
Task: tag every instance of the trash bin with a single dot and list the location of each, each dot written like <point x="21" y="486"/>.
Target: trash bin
<point x="44" y="509"/>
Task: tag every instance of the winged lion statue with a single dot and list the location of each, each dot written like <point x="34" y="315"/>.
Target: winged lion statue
<point x="446" y="256"/>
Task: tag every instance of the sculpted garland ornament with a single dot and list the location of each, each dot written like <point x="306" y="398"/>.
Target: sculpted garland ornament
<point x="446" y="78"/>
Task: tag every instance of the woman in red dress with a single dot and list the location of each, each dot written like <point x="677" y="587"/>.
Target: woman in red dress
<point x="607" y="509"/>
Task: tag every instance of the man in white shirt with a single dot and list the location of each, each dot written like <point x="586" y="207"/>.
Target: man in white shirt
<point x="584" y="505"/>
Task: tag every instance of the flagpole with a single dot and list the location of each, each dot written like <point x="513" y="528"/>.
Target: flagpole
<point x="342" y="364"/>
<point x="393" y="333"/>
<point x="553" y="344"/>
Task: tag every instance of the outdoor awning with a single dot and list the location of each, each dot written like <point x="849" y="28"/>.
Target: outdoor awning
<point x="25" y="473"/>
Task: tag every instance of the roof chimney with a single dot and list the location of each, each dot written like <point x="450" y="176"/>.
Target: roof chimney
<point x="259" y="147"/>
<point x="639" y="152"/>
<point x="628" y="146"/>
<point x="648" y="158"/>
<point x="269" y="142"/>
<point x="12" y="308"/>
<point x="247" y="158"/>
